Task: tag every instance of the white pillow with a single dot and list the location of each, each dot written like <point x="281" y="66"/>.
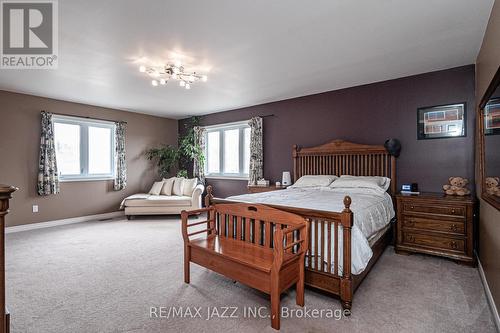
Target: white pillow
<point x="189" y="185"/>
<point x="156" y="188"/>
<point x="178" y="188"/>
<point x="168" y="184"/>
<point x="380" y="184"/>
<point x="314" y="181"/>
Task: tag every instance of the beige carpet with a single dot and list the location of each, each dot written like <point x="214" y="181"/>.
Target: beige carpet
<point x="106" y="276"/>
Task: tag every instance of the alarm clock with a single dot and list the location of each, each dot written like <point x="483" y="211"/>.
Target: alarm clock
<point x="406" y="187"/>
<point x="409" y="188"/>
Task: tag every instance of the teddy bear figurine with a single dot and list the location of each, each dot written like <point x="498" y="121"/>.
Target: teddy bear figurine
<point x="492" y="186"/>
<point x="456" y="186"/>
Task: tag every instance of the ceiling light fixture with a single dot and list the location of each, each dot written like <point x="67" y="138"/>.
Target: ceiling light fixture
<point x="172" y="72"/>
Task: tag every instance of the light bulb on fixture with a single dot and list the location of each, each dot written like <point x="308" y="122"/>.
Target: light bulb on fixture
<point x="175" y="71"/>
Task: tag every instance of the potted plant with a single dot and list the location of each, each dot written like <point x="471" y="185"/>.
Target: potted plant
<point x="165" y="156"/>
<point x="189" y="149"/>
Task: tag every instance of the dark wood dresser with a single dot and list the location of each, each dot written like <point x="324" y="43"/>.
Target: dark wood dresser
<point x="5" y="195"/>
<point x="437" y="224"/>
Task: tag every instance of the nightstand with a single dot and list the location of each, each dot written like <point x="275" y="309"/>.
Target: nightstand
<point x="259" y="188"/>
<point x="436" y="224"/>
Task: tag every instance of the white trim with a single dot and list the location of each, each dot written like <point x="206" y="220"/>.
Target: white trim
<point x="82" y="119"/>
<point x="228" y="177"/>
<point x="489" y="296"/>
<point x="224" y="125"/>
<point x="241" y="127"/>
<point x="55" y="223"/>
<point x="86" y="179"/>
<point x="84" y="126"/>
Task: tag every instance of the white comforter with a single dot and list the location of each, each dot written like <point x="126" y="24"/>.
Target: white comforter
<point x="372" y="212"/>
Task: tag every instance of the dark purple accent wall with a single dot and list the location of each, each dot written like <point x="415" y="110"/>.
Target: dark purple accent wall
<point x="367" y="114"/>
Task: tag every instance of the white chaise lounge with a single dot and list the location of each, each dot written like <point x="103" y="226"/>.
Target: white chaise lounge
<point x="169" y="196"/>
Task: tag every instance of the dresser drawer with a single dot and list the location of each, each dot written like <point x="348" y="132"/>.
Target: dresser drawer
<point x="434" y="209"/>
<point x="434" y="242"/>
<point x="422" y="223"/>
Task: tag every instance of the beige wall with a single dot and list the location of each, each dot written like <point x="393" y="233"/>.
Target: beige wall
<point x="20" y="134"/>
<point x="488" y="62"/>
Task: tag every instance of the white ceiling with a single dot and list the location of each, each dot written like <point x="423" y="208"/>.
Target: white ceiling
<point x="253" y="51"/>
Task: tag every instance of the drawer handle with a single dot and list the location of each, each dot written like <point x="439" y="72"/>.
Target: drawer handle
<point x="411" y="238"/>
<point x="453" y="227"/>
<point x="454" y="245"/>
<point x="412" y="207"/>
<point x="453" y="211"/>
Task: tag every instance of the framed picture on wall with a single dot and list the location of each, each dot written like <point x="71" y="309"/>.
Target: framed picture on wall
<point x="492" y="117"/>
<point x="442" y="121"/>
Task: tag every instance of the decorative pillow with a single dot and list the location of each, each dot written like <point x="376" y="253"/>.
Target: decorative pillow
<point x="377" y="183"/>
<point x="178" y="188"/>
<point x="314" y="181"/>
<point x="156" y="188"/>
<point x="189" y="185"/>
<point x="168" y="184"/>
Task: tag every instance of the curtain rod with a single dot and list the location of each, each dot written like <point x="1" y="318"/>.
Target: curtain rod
<point x="86" y="117"/>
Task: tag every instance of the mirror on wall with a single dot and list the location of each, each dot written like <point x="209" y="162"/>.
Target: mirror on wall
<point x="490" y="147"/>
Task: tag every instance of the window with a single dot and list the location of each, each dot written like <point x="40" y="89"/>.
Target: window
<point x="84" y="148"/>
<point x="227" y="150"/>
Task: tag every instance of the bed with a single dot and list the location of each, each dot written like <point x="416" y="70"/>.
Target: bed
<point x="346" y="239"/>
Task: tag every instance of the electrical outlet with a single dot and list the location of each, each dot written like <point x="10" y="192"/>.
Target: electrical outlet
<point x="35" y="208"/>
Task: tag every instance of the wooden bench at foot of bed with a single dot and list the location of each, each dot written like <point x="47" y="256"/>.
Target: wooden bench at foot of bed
<point x="231" y="245"/>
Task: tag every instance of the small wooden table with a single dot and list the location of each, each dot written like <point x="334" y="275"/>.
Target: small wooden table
<point x="260" y="188"/>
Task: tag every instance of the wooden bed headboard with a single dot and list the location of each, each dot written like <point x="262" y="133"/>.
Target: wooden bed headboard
<point x="340" y="157"/>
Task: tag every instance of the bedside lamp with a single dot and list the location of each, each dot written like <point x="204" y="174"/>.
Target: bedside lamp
<point x="286" y="179"/>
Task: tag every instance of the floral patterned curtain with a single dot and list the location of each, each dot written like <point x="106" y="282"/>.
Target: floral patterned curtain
<point x="121" y="163"/>
<point x="48" y="178"/>
<point x="256" y="151"/>
<point x="198" y="165"/>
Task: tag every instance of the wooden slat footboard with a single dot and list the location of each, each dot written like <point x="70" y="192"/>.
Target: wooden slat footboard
<point x="325" y="230"/>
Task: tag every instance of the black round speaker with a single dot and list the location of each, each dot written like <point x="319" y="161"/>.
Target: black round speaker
<point x="393" y="147"/>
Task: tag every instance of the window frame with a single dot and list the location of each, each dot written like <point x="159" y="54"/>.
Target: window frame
<point x="241" y="126"/>
<point x="84" y="124"/>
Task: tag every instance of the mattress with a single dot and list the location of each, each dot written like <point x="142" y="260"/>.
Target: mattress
<point x="372" y="211"/>
<point x="373" y="239"/>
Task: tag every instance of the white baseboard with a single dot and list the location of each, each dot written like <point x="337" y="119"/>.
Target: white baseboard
<point x="489" y="296"/>
<point x="56" y="223"/>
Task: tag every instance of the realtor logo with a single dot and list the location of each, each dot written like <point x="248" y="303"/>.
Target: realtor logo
<point x="29" y="34"/>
